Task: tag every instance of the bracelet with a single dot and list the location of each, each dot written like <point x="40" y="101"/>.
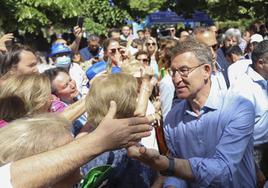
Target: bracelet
<point x="171" y="166"/>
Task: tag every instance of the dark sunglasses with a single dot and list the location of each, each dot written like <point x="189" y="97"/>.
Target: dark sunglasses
<point x="144" y="60"/>
<point x="148" y="44"/>
<point x="113" y="51"/>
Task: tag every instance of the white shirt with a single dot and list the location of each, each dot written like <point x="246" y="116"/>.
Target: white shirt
<point x="236" y="69"/>
<point x="218" y="79"/>
<point x="253" y="87"/>
<point x="150" y="142"/>
<point x="77" y="74"/>
<point x="167" y="90"/>
<point x="5" y="179"/>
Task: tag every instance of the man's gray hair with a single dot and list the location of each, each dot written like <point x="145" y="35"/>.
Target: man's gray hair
<point x="233" y="32"/>
<point x="93" y="37"/>
<point x="201" y="51"/>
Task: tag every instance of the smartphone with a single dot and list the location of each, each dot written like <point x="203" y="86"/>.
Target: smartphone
<point x="80" y="21"/>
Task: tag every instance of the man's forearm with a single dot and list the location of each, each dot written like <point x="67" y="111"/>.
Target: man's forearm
<point x="50" y="167"/>
<point x="182" y="168"/>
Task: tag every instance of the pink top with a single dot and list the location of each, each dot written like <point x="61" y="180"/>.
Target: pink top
<point x="57" y="106"/>
<point x="3" y="123"/>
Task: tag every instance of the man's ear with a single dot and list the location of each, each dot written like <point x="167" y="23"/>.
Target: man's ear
<point x="259" y="64"/>
<point x="207" y="70"/>
<point x="260" y="61"/>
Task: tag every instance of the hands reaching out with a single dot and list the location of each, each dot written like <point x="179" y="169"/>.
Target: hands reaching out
<point x="119" y="133"/>
<point x="5" y="38"/>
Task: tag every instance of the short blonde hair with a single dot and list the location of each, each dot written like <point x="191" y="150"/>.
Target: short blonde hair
<point x="29" y="136"/>
<point x="33" y="89"/>
<point x="121" y="88"/>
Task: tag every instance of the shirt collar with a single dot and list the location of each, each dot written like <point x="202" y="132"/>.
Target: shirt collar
<point x="213" y="101"/>
<point x="214" y="98"/>
<point x="256" y="77"/>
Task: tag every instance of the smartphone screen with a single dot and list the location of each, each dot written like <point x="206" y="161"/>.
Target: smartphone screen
<point x="80" y="21"/>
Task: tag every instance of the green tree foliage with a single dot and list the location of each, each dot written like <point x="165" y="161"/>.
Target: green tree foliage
<point x="36" y="15"/>
<point x="222" y="10"/>
<point x="238" y="9"/>
<point x="101" y="15"/>
<point x="32" y="15"/>
<point x="140" y="8"/>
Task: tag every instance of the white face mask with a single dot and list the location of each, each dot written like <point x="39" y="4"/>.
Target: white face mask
<point x="63" y="62"/>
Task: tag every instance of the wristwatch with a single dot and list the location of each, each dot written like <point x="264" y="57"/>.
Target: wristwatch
<point x="170" y="170"/>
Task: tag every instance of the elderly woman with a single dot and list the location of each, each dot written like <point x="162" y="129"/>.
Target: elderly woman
<point x="123" y="89"/>
<point x="64" y="87"/>
<point x="26" y="137"/>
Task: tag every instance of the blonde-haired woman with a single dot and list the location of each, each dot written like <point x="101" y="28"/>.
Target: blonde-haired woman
<point x="123" y="89"/>
<point x="34" y="90"/>
<point x="151" y="46"/>
<point x="26" y="137"/>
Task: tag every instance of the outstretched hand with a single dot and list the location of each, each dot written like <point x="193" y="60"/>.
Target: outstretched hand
<point x="119" y="133"/>
<point x="147" y="156"/>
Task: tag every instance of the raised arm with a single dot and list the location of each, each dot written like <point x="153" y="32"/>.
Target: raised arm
<point x="50" y="167"/>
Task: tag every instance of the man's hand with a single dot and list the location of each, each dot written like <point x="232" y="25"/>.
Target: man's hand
<point x="147" y="156"/>
<point x="119" y="133"/>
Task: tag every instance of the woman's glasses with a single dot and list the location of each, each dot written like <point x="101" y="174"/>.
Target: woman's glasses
<point x="113" y="50"/>
<point x="145" y="60"/>
<point x="150" y="44"/>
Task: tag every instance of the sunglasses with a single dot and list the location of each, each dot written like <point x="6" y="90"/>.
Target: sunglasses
<point x="144" y="60"/>
<point x="149" y="44"/>
<point x="113" y="51"/>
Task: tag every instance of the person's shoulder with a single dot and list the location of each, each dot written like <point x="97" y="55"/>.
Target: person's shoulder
<point x="177" y="110"/>
<point x="234" y="101"/>
<point x="85" y="49"/>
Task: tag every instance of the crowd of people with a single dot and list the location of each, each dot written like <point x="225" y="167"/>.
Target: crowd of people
<point x="115" y="101"/>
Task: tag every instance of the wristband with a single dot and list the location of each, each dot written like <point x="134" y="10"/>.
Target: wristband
<point x="171" y="166"/>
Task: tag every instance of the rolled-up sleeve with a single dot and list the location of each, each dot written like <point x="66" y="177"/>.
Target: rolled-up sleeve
<point x="233" y="144"/>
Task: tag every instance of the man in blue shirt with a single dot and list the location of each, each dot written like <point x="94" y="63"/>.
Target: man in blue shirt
<point x="210" y="133"/>
<point x="92" y="50"/>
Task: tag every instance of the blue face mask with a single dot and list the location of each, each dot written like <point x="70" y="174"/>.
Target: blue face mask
<point x="63" y="62"/>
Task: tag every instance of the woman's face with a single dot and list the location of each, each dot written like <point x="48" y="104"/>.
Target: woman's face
<point x="143" y="59"/>
<point x="65" y="87"/>
<point x="151" y="46"/>
<point x="114" y="52"/>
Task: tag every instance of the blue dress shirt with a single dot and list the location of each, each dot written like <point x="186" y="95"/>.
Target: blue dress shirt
<point x="223" y="64"/>
<point x="218" y="143"/>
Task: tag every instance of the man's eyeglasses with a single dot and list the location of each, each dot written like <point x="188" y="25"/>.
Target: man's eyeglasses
<point x="149" y="44"/>
<point x="183" y="71"/>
